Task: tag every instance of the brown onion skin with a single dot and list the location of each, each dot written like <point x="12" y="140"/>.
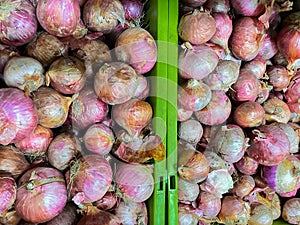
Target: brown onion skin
<point x="8" y="190"/>
<point x="290" y="211"/>
<point x="243" y="186"/>
<point x="6" y="52"/>
<point x="11" y="218"/>
<point x="247" y="165"/>
<point x="278" y="77"/>
<point x="52" y="191"/>
<point x="246" y="38"/>
<point x="196" y="27"/>
<point x="264" y="92"/>
<point x="249" y="114"/>
<point x="277" y="110"/>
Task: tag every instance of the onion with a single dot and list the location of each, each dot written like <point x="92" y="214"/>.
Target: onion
<point x="192" y="165"/>
<point x="132" y="213"/>
<point x="194" y="3"/>
<point x="190" y="131"/>
<point x="288" y="39"/>
<point x="196" y="61"/>
<point x="215" y="161"/>
<point x="67" y="217"/>
<point x="194" y="95"/>
<point x="62" y="150"/>
<point x="11" y="218"/>
<point x="82" y="175"/>
<point x="52" y="107"/>
<point x="225" y="74"/>
<point x="38" y="187"/>
<point x="66" y="75"/>
<point x="246" y="87"/>
<point x="8" y="190"/>
<point x="18" y="22"/>
<point x="290" y="211"/>
<point x="96" y="216"/>
<point x="257" y="66"/>
<point x="107" y="202"/>
<point x="246" y="38"/>
<point x="6" y="53"/>
<point x="260" y="214"/>
<point x="277" y="110"/>
<point x="264" y="92"/>
<point x="187" y="192"/>
<point x="143" y="88"/>
<point x="62" y="14"/>
<point x="134" y="181"/>
<point x="218" y="182"/>
<point x="249" y="8"/>
<point x="115" y="83"/>
<point x="217" y="111"/>
<point x="247" y="165"/>
<point x="137" y="47"/>
<point x="182" y="114"/>
<point x="218" y="6"/>
<point x="46" y="48"/>
<point x="292" y="93"/>
<point x="133" y="9"/>
<point x="279" y="59"/>
<point x="196" y="27"/>
<point x="18" y="116"/>
<point x="209" y="204"/>
<point x="133" y="115"/>
<point x="268" y="48"/>
<point x="185" y="216"/>
<point x="234" y="210"/>
<point x="269" y="145"/>
<point x="37" y="142"/>
<point x="243" y="186"/>
<point x="249" y="114"/>
<point x="278" y="77"/>
<point x="223" y="30"/>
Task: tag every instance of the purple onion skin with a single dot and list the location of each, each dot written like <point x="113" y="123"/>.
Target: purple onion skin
<point x="218" y="6"/>
<point x="268" y="48"/>
<point x="247" y="165"/>
<point x="67" y="217"/>
<point x="133" y="9"/>
<point x="8" y="189"/>
<point x="107" y="202"/>
<point x="248" y="8"/>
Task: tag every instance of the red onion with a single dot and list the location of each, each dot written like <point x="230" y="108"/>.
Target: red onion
<point x="133" y="9"/>
<point x="194" y="3"/>
<point x="190" y="131"/>
<point x="257" y="66"/>
<point x="249" y="8"/>
<point x="249" y="114"/>
<point x="277" y="110"/>
<point x="247" y="165"/>
<point x="288" y="39"/>
<point x="218" y="182"/>
<point x="95" y="216"/>
<point x="196" y="27"/>
<point x="260" y="214"/>
<point x="243" y="186"/>
<point x="269" y="145"/>
<point x="137" y="47"/>
<point x="218" y="6"/>
<point x="82" y="175"/>
<point x="52" y="107"/>
<point x="196" y="61"/>
<point x="67" y="217"/>
<point x="6" y="52"/>
<point x="187" y="192"/>
<point x="279" y="59"/>
<point x="107" y="202"/>
<point x="268" y="48"/>
<point x="264" y="92"/>
<point x="99" y="139"/>
<point x="246" y="87"/>
<point x="209" y="204"/>
<point x="194" y="95"/>
<point x="246" y="38"/>
<point x="37" y="142"/>
<point x="62" y="150"/>
<point x="290" y="211"/>
<point x="223" y="30"/>
<point x="60" y="18"/>
<point x="18" y="22"/>
<point x="192" y="165"/>
<point x="115" y="83"/>
<point x="279" y="77"/>
<point x="45" y="48"/>
<point x="143" y="88"/>
<point x="215" y="161"/>
<point x="18" y="116"/>
<point x="132" y="213"/>
<point x="8" y="190"/>
<point x="133" y="115"/>
<point x="182" y="114"/>
<point x="216" y="111"/>
<point x="292" y="93"/>
<point x="66" y="75"/>
<point x="37" y="188"/>
<point x="134" y="181"/>
<point x="186" y="216"/>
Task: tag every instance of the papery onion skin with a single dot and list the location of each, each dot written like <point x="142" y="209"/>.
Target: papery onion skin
<point x="292" y="94"/>
<point x="264" y="92"/>
<point x="278" y="77"/>
<point x="291" y="210"/>
<point x="62" y="150"/>
<point x="52" y="107"/>
<point x="187" y="192"/>
<point x="257" y="66"/>
<point x="190" y="131"/>
<point x="133" y="9"/>
<point x="82" y="175"/>
<point x="137" y="47"/>
<point x="29" y="202"/>
<point x="247" y="165"/>
<point x="196" y="27"/>
<point x="218" y="6"/>
<point x="8" y="190"/>
<point x="197" y="62"/>
<point x="269" y="145"/>
<point x="268" y="48"/>
<point x="18" y="116"/>
<point x="37" y="142"/>
<point x="209" y="204"/>
<point x="260" y="215"/>
<point x="107" y="202"/>
<point x="135" y="182"/>
<point x="277" y="110"/>
<point x="246" y="38"/>
<point x="131" y="213"/>
<point x="243" y="186"/>
<point x="67" y="217"/>
<point x="18" y="22"/>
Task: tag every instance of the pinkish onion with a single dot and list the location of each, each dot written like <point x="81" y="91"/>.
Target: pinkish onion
<point x="190" y="131"/>
<point x="268" y="48"/>
<point x="257" y="66"/>
<point x="218" y="6"/>
<point x="107" y="202"/>
<point x="244" y="185"/>
<point x="182" y="114"/>
<point x="292" y="93"/>
<point x="276" y="110"/>
<point x="290" y="211"/>
<point x="279" y="77"/>
<point x="133" y="9"/>
<point x="8" y="190"/>
<point x="187" y="192"/>
<point x="247" y="165"/>
<point x="209" y="204"/>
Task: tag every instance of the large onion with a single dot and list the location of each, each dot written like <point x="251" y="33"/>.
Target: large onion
<point x="8" y="190"/>
<point x="131" y="213"/>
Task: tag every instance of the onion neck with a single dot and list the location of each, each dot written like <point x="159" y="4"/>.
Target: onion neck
<point x="32" y="184"/>
<point x="6" y="7"/>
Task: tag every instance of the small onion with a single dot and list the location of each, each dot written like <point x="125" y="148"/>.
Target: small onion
<point x="182" y="114"/>
<point x="133" y="115"/>
<point x="62" y="150"/>
<point x="8" y="190"/>
<point x="52" y="107"/>
<point x="264" y="92"/>
<point x="209" y="204"/>
<point x="190" y="131"/>
<point x="218" y="6"/>
<point x="257" y="66"/>
<point x="18" y="22"/>
<point x="66" y="75"/>
<point x="243" y="186"/>
<point x="6" y="52"/>
<point x="247" y="165"/>
<point x="196" y="27"/>
<point x="292" y="93"/>
<point x="260" y="215"/>
<point x="134" y="181"/>
<point x="187" y="192"/>
<point x="133" y="9"/>
<point x="38" y="187"/>
<point x="96" y="217"/>
<point x="277" y="110"/>
<point x="278" y="77"/>
<point x="137" y="47"/>
<point x="82" y="175"/>
<point x="268" y="48"/>
<point x="291" y="211"/>
<point x="67" y="217"/>
<point x="107" y="202"/>
<point x="131" y="213"/>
